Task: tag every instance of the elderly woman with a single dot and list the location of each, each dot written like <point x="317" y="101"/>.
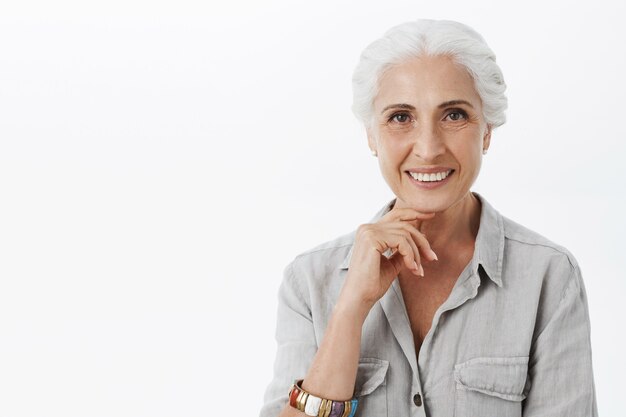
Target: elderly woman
<point x="440" y="306"/>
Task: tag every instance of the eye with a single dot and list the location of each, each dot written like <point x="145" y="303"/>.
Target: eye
<point x="401" y="118"/>
<point x="456" y="115"/>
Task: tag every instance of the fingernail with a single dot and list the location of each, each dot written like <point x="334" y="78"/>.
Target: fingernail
<point x="415" y="267"/>
<point x="421" y="270"/>
<point x="435" y="255"/>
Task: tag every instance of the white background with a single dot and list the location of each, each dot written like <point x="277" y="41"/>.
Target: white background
<point x="162" y="162"/>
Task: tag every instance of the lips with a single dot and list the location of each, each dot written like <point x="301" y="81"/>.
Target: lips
<point x="429" y="180"/>
<point x="432" y="176"/>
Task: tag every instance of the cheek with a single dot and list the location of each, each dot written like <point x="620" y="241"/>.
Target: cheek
<point x="395" y="147"/>
<point x="469" y="156"/>
<point x="473" y="161"/>
<point x="392" y="157"/>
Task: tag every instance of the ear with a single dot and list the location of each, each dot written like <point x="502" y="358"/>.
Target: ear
<point x="371" y="140"/>
<point x="487" y="138"/>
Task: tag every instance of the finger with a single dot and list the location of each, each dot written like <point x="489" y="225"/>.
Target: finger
<point x="399" y="245"/>
<point x="418" y="269"/>
<point x="396" y="238"/>
<point x="400" y="262"/>
<point x="405" y="254"/>
<point x="420" y="240"/>
<point x="423" y="245"/>
<point x="406" y="214"/>
<point x="416" y="264"/>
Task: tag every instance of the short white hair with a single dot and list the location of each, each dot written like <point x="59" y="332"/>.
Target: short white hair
<point x="426" y="37"/>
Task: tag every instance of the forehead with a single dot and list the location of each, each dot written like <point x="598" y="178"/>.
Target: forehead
<point x="426" y="82"/>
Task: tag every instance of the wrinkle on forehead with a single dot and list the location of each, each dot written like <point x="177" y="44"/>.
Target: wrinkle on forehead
<point x="425" y="82"/>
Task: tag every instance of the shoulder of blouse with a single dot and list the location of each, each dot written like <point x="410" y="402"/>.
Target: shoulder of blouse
<point x="515" y="233"/>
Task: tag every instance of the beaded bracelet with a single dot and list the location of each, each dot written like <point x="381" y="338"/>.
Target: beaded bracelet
<point x="319" y="407"/>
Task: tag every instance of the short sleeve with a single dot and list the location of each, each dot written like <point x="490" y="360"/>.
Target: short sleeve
<point x="560" y="368"/>
<point x="296" y="343"/>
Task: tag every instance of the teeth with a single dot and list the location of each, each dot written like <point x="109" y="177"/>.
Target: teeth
<point x="438" y="176"/>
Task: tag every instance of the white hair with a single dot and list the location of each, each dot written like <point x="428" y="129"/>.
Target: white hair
<point x="426" y="37"/>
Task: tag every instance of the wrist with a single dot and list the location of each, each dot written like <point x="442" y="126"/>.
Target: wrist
<point x="313" y="405"/>
<point x="352" y="307"/>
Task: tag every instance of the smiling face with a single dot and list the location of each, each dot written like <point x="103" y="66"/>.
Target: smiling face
<point x="429" y="132"/>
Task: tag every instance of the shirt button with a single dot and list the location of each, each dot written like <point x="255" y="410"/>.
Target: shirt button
<point x="417" y="399"/>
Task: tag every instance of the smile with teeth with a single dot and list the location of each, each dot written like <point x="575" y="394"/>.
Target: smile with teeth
<point x="432" y="177"/>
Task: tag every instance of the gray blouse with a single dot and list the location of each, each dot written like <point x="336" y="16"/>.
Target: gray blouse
<point x="512" y="339"/>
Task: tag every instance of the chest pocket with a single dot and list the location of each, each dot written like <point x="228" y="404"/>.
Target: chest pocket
<point x="371" y="387"/>
<point x="491" y="386"/>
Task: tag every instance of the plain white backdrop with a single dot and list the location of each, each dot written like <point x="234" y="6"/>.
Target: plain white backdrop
<point x="161" y="162"/>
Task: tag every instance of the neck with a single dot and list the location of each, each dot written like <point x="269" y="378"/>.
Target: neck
<point x="456" y="226"/>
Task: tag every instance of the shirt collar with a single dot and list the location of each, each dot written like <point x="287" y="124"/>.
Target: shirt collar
<point x="489" y="247"/>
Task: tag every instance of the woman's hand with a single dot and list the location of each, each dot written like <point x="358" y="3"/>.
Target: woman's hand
<point x="333" y="372"/>
<point x="371" y="273"/>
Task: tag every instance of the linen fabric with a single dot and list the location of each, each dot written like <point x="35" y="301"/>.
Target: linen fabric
<point x="512" y="338"/>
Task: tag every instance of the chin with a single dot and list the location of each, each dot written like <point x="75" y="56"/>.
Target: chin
<point x="428" y="205"/>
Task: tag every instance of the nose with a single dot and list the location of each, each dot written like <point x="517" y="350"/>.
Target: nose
<point x="428" y="143"/>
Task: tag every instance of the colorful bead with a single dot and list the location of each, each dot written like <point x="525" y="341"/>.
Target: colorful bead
<point x="353" y="404"/>
<point x="293" y="396"/>
<point x="346" y="409"/>
<point x="312" y="407"/>
<point x="303" y="400"/>
<point x="299" y="405"/>
<point x="337" y="409"/>
<point x="323" y="408"/>
<point x="318" y="407"/>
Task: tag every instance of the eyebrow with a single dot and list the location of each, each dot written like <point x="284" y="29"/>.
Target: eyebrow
<point x="455" y="103"/>
<point x="442" y="105"/>
<point x="398" y="106"/>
